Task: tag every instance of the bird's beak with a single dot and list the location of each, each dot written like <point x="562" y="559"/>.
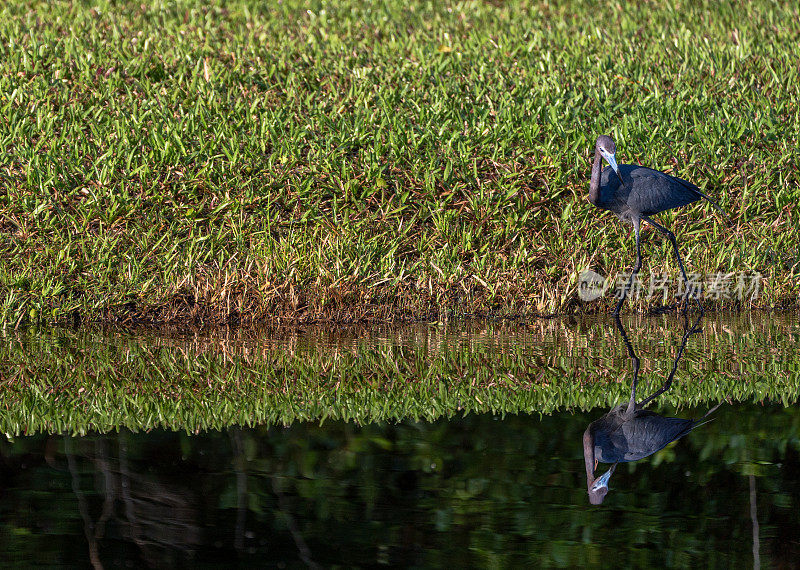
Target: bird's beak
<point x="612" y="160"/>
<point x="603" y="480"/>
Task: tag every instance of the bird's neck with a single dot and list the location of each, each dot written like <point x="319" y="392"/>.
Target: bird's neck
<point x="588" y="455"/>
<point x="594" y="183"/>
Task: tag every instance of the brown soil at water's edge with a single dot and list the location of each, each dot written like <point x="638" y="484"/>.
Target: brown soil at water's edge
<point x="374" y="305"/>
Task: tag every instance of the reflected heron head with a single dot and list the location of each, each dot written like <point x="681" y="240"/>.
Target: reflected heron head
<point x="599" y="489"/>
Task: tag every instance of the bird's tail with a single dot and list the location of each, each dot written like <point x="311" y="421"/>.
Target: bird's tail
<point x="717" y="206"/>
<point x="700" y="422"/>
<point x="711" y="200"/>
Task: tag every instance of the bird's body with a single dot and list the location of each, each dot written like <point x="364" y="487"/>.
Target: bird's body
<point x="620" y="437"/>
<point x="634" y="193"/>
<point x="645" y="192"/>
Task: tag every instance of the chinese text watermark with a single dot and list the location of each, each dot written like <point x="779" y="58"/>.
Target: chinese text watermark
<point x="742" y="286"/>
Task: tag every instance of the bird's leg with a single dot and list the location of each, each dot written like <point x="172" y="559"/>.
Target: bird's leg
<point x="687" y="332"/>
<point x="634" y="360"/>
<point x="632" y="401"/>
<point x="637" y="266"/>
<point x="674" y="242"/>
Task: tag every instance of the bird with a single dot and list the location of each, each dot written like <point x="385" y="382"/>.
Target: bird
<point x="629" y="432"/>
<point x="634" y="193"/>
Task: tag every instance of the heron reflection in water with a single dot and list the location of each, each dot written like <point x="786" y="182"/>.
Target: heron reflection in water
<point x="629" y="432"/>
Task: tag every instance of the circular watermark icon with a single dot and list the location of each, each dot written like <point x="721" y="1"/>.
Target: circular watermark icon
<point x="591" y="285"/>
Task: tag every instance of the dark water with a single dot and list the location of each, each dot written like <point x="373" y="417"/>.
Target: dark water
<point x="485" y="490"/>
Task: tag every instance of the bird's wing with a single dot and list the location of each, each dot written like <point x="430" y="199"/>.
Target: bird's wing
<point x="648" y="433"/>
<point x="653" y="192"/>
<point x="673" y="189"/>
<point x="702" y="194"/>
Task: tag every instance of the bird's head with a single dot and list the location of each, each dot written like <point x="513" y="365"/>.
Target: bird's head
<point x="599" y="489"/>
<point x="608" y="150"/>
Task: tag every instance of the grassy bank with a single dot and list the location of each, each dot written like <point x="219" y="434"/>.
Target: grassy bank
<point x="68" y="381"/>
<point x="242" y="161"/>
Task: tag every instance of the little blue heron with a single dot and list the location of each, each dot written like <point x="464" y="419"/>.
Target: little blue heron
<point x="635" y="193"/>
<point x="629" y="432"/>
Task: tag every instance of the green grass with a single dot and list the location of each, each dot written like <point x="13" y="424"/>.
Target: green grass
<point x="244" y="161"/>
<point x="67" y="381"/>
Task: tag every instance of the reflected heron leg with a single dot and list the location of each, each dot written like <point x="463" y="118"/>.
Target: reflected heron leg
<point x="634" y="360"/>
<point x="686" y="334"/>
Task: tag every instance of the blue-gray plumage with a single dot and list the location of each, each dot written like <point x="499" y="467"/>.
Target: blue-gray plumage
<point x="623" y="436"/>
<point x="629" y="432"/>
<point x="635" y="193"/>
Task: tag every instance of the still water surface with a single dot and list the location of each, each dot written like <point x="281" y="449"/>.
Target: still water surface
<point x="416" y="482"/>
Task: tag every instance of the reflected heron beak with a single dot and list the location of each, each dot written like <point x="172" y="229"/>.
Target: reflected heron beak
<point x="603" y="480"/>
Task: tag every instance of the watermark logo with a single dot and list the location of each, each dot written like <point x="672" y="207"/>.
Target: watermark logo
<point x="720" y="286"/>
<point x="591" y="285"/>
